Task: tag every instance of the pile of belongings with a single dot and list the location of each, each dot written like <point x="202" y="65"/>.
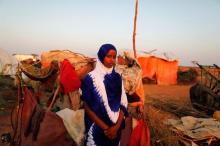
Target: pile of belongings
<point x="196" y="128"/>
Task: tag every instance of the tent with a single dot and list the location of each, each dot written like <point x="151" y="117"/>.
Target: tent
<point x="8" y="63"/>
<point x="21" y="57"/>
<point x="164" y="71"/>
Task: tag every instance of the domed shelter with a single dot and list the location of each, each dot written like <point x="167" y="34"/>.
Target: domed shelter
<point x="8" y="63"/>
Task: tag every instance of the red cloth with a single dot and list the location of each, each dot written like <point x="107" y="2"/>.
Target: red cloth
<point x="68" y="77"/>
<point x="140" y="135"/>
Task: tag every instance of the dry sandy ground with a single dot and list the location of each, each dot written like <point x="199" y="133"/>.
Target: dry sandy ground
<point x="176" y="93"/>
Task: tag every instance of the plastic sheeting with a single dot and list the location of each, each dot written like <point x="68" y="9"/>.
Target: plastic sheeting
<point x="163" y="71"/>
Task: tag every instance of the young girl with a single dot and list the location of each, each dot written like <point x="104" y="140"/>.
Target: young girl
<point x="105" y="101"/>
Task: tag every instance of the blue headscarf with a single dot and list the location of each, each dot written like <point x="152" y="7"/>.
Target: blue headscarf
<point x="112" y="81"/>
<point x="103" y="51"/>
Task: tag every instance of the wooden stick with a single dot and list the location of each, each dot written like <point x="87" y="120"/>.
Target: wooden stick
<point x="134" y="32"/>
<point x="54" y="97"/>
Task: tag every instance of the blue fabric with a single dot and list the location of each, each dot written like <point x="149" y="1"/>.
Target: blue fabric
<point x="104" y="50"/>
<point x="94" y="101"/>
<point x="124" y="109"/>
<point x="102" y="140"/>
<point x="113" y="84"/>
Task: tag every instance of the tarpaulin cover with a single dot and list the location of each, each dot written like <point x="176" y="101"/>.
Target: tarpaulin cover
<point x="163" y="71"/>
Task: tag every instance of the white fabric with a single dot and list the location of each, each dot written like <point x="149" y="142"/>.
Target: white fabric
<point x="74" y="123"/>
<point x="90" y="141"/>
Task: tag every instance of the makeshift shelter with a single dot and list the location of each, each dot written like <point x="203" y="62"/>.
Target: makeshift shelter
<point x="8" y="63"/>
<point x="21" y="57"/>
<point x="162" y="70"/>
<point x="81" y="63"/>
<point x="35" y="124"/>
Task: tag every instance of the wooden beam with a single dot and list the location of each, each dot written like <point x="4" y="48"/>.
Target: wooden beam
<point x="134" y="31"/>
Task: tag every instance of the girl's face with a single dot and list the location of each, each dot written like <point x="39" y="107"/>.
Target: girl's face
<point x="109" y="60"/>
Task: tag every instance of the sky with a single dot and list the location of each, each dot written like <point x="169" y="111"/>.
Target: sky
<point x="186" y="29"/>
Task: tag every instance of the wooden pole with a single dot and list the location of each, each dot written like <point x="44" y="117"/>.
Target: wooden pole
<point x="134" y="32"/>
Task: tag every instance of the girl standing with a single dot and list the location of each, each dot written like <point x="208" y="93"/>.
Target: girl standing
<point x="105" y="101"/>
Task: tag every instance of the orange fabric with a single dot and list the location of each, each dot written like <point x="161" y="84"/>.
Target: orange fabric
<point x="167" y="72"/>
<point x="45" y="64"/>
<point x="148" y="65"/>
<point x="68" y="77"/>
<point x="140" y="135"/>
<point x="163" y="71"/>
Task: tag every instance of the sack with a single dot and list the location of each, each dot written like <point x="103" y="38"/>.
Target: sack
<point x="74" y="123"/>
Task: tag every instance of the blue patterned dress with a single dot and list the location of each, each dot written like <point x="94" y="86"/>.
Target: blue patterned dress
<point x="103" y="91"/>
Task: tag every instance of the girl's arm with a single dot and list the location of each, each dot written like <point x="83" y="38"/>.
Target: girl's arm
<point x="95" y="118"/>
<point x="112" y="131"/>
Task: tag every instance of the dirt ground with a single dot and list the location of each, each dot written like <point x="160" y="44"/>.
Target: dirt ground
<point x="5" y="124"/>
<point x="175" y="93"/>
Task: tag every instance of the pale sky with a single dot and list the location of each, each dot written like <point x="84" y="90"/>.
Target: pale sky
<point x="188" y="29"/>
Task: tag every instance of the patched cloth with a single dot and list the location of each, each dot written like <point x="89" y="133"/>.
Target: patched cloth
<point x="131" y="74"/>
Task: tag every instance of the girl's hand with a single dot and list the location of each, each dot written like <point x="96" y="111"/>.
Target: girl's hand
<point x="111" y="132"/>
